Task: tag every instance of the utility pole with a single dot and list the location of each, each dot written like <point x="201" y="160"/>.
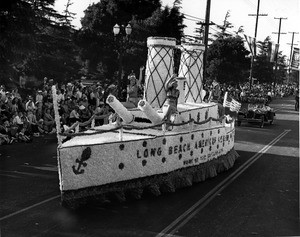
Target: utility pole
<point x="278" y="40"/>
<point x="255" y="35"/>
<point x="292" y="45"/>
<point x="207" y="16"/>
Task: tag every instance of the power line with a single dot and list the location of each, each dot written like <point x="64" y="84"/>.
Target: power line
<point x="199" y="19"/>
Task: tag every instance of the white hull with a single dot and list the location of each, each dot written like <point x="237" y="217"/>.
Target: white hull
<point x="142" y="153"/>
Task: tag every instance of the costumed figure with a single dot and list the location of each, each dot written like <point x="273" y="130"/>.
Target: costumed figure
<point x="216" y="96"/>
<point x="216" y="91"/>
<point x="172" y="97"/>
<point x="134" y="87"/>
<point x="132" y="90"/>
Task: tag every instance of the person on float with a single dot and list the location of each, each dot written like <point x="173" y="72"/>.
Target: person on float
<point x="215" y="91"/>
<point x="134" y="87"/>
<point x="215" y="96"/>
<point x="172" y="97"/>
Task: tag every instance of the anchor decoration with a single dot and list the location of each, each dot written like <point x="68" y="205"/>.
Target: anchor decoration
<point x="86" y="154"/>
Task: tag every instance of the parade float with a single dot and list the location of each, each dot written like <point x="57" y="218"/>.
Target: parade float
<point x="153" y="148"/>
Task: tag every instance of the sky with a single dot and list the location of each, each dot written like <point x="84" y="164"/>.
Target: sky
<point x="239" y="10"/>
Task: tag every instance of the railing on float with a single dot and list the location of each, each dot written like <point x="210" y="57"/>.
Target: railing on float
<point x="74" y="129"/>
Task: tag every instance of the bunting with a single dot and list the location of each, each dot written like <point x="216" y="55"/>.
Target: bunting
<point x="251" y="44"/>
<point x="295" y="59"/>
<point x="272" y="51"/>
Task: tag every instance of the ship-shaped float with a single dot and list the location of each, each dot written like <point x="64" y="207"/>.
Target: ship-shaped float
<point x="144" y="152"/>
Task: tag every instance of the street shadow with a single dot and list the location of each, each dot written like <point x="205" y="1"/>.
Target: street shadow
<point x="150" y="215"/>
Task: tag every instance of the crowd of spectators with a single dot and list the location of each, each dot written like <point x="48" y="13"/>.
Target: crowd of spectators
<point x="23" y="117"/>
<point x="263" y="93"/>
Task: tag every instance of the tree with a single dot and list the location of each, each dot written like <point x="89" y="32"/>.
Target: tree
<point x="227" y="60"/>
<point x="223" y="29"/>
<point x="99" y="46"/>
<point x="263" y="69"/>
<point x="35" y="40"/>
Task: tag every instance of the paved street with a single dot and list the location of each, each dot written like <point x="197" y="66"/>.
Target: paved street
<point x="258" y="197"/>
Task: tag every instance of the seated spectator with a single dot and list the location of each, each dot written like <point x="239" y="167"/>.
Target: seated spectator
<point x="84" y="113"/>
<point x="84" y="101"/>
<point x="49" y="122"/>
<point x="17" y="120"/>
<point x="32" y="121"/>
<point x="5" y="137"/>
<point x="74" y="115"/>
<point x="40" y="126"/>
<point x="102" y="111"/>
<point x="14" y="106"/>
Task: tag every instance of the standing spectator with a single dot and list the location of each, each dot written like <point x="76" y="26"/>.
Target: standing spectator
<point x="39" y="97"/>
<point x="94" y="96"/>
<point x="45" y="81"/>
<point x="69" y="90"/>
<point x="8" y="101"/>
<point x="2" y="93"/>
<point x="30" y="106"/>
<point x="39" y="104"/>
<point x="60" y="96"/>
<point x="15" y="93"/>
<point x="78" y="94"/>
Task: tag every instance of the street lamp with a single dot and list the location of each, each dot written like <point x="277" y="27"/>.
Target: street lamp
<point x="122" y="33"/>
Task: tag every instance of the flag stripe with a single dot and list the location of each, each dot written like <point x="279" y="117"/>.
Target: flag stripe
<point x="233" y="105"/>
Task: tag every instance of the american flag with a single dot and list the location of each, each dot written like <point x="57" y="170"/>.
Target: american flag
<point x="233" y="105"/>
